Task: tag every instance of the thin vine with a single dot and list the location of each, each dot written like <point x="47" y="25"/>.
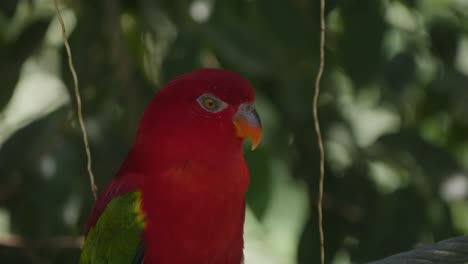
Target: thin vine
<point x="78" y="100"/>
<point x="318" y="131"/>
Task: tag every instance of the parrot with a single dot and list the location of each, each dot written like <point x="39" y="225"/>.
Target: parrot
<point x="179" y="195"/>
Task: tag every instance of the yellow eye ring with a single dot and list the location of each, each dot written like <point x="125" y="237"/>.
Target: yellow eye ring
<point x="209" y="103"/>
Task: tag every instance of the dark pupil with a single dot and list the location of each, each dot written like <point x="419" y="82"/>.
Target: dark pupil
<point x="210" y="103"/>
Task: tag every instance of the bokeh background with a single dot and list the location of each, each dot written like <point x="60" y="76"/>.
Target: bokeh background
<point x="393" y="109"/>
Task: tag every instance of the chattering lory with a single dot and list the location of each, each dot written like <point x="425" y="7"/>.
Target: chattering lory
<point x="179" y="196"/>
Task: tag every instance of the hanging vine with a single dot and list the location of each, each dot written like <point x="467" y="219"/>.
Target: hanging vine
<point x="78" y="100"/>
<point x="318" y="131"/>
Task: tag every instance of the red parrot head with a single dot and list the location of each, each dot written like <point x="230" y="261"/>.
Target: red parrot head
<point x="208" y="111"/>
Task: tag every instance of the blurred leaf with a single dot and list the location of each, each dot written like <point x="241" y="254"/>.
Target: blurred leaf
<point x="14" y="160"/>
<point x="400" y="71"/>
<point x="48" y="163"/>
<point x="435" y="162"/>
<point x="361" y="42"/>
<point x="454" y="250"/>
<point x="293" y="22"/>
<point x="14" y="54"/>
<point x="8" y="7"/>
<point x="260" y="181"/>
<point x="240" y="48"/>
<point x="444" y="39"/>
<point x="13" y="255"/>
<point x="410" y="3"/>
<point x="397" y="224"/>
<point x="183" y="56"/>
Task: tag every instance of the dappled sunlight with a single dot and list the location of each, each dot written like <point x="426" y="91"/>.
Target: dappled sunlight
<point x="200" y="10"/>
<point x="5" y="225"/>
<point x="462" y="57"/>
<point x="267" y="241"/>
<point x="37" y="94"/>
<point x="393" y="111"/>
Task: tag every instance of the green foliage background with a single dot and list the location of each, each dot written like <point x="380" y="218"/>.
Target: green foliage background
<point x="393" y="111"/>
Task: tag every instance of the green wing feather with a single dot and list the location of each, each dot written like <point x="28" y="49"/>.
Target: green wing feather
<point x="116" y="236"/>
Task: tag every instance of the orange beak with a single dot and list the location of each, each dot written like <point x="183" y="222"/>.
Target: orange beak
<point x="248" y="125"/>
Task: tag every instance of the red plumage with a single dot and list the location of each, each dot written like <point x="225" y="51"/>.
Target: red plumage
<point x="189" y="166"/>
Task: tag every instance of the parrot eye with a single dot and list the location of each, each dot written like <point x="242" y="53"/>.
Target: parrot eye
<point x="210" y="103"/>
